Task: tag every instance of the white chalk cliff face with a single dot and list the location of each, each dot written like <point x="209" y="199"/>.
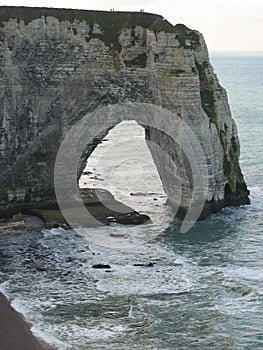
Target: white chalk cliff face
<point x="56" y="66"/>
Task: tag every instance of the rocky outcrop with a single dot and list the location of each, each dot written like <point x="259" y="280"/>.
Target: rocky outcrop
<point x="46" y="214"/>
<point x="57" y="65"/>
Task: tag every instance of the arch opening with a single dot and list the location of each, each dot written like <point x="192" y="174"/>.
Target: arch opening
<point x="168" y="155"/>
<point x="121" y="163"/>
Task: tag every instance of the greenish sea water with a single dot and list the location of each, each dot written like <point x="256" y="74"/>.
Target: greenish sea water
<point x="205" y="290"/>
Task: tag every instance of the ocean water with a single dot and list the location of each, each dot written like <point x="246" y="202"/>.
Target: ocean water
<point x="205" y="290"/>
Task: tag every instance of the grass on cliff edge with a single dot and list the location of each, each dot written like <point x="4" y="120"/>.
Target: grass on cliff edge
<point x="111" y="23"/>
<point x="116" y="20"/>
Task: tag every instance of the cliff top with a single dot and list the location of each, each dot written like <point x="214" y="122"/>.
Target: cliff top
<point x="103" y="18"/>
<point x="110" y="22"/>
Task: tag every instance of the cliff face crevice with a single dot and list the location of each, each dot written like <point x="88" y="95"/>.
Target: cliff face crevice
<point x="56" y="66"/>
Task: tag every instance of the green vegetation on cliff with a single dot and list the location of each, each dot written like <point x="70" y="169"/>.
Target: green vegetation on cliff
<point x="111" y="23"/>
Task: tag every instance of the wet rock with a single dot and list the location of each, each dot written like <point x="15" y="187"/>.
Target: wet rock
<point x="101" y="266"/>
<point x="15" y="222"/>
<point x="33" y="222"/>
<point x="145" y="265"/>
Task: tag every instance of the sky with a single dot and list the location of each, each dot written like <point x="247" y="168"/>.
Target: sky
<point x="226" y="24"/>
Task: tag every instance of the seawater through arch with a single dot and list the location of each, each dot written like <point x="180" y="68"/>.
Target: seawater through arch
<point x="122" y="164"/>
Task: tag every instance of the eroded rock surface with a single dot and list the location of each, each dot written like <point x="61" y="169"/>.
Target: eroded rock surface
<point x="58" y="65"/>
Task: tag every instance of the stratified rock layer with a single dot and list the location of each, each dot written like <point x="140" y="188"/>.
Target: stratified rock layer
<point x="58" y="65"/>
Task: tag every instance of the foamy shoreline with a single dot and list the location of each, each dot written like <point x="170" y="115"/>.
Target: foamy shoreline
<point x="15" y="333"/>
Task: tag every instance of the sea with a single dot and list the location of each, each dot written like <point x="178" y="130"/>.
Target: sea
<point x="164" y="289"/>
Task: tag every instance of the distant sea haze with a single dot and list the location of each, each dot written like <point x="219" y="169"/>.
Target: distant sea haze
<point x="235" y="53"/>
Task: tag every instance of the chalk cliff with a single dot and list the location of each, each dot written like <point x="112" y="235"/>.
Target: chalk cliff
<point x="58" y="65"/>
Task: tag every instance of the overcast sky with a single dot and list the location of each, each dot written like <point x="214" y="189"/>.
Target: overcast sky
<point x="226" y="24"/>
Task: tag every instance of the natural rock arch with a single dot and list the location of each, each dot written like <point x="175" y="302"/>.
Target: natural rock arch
<point x="122" y="163"/>
<point x="171" y="143"/>
<point x="57" y="66"/>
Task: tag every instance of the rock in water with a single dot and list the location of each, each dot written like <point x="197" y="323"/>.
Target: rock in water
<point x="145" y="265"/>
<point x="59" y="65"/>
<point x="101" y="266"/>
